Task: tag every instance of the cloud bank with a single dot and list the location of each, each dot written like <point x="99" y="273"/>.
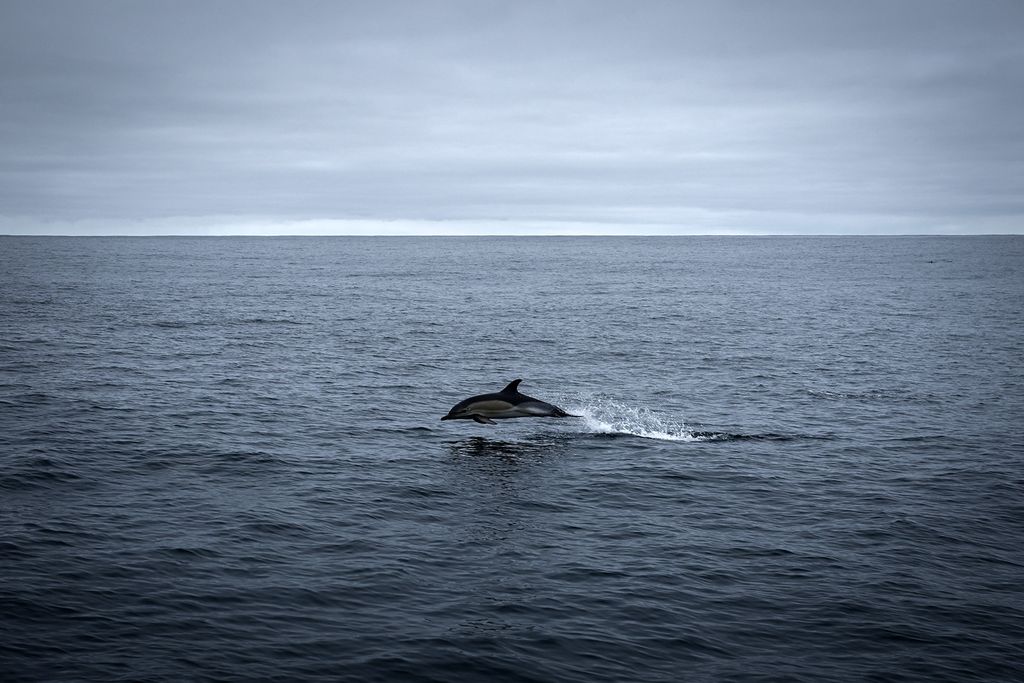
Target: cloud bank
<point x="502" y="118"/>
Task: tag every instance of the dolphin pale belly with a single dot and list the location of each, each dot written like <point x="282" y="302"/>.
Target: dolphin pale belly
<point x="506" y="404"/>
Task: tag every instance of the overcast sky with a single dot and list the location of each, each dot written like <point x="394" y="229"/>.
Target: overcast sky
<point x="631" y="117"/>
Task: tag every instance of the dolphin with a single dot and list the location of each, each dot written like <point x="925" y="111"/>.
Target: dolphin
<point x="507" y="403"/>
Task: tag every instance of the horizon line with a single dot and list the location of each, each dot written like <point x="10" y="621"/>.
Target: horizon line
<point x="528" y="235"/>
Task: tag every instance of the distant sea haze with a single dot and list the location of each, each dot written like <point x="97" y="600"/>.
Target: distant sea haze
<point x="798" y="459"/>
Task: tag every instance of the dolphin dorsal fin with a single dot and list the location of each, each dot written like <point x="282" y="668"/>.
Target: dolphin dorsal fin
<point x="512" y="388"/>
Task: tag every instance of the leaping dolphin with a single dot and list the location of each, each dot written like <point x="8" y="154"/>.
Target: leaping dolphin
<point x="507" y="403"/>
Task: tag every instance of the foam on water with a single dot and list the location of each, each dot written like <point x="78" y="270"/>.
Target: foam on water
<point x="604" y="416"/>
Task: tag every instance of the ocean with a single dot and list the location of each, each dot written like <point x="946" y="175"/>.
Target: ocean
<point x="797" y="459"/>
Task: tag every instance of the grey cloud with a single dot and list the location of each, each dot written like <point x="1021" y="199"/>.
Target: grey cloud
<point x="723" y="116"/>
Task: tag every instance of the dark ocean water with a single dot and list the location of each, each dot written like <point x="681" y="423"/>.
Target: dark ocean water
<point x="800" y="459"/>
